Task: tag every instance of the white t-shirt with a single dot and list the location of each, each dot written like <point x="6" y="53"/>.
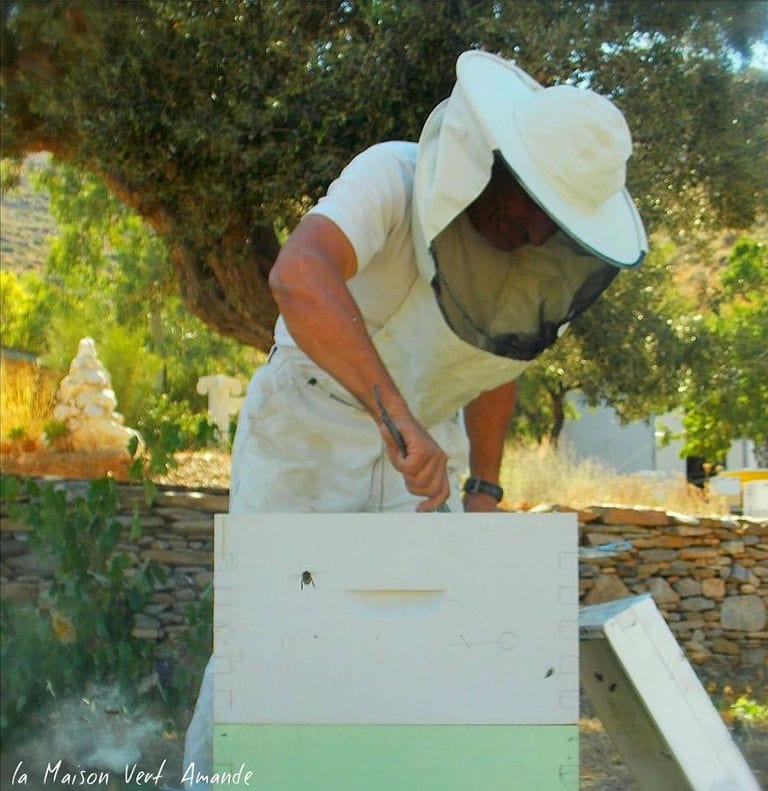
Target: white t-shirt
<point x="370" y="202"/>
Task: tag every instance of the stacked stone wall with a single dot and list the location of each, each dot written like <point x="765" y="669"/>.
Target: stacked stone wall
<point x="708" y="576"/>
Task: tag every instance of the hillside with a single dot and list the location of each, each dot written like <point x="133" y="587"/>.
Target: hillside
<point x="25" y="223"/>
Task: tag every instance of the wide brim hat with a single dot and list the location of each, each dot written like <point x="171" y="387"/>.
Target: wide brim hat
<point x="567" y="146"/>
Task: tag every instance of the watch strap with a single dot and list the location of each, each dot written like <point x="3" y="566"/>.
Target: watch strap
<point x="486" y="487"/>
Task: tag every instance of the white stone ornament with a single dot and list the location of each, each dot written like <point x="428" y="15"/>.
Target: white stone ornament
<point x="86" y="402"/>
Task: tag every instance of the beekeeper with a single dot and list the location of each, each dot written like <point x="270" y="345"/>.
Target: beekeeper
<point x="421" y="286"/>
<point x="436" y="272"/>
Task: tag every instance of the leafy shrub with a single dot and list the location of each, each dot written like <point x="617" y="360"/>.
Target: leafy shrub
<point x="18" y="433"/>
<point x="749" y="710"/>
<point x="34" y="664"/>
<point x="57" y="434"/>
<point x="135" y="371"/>
<point x="90" y="585"/>
<point x="169" y="426"/>
<point x="91" y="602"/>
<point x="24" y="310"/>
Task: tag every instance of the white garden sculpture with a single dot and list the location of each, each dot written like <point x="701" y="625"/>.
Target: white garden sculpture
<point x="86" y="403"/>
<point x="223" y="399"/>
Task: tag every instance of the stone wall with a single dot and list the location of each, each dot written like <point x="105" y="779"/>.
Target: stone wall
<point x="708" y="576"/>
<point x="177" y="534"/>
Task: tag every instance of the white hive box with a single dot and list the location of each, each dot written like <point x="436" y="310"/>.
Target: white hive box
<point x="397" y="651"/>
<point x="755" y="499"/>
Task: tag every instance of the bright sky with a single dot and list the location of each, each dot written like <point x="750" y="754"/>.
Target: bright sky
<point x="760" y="55"/>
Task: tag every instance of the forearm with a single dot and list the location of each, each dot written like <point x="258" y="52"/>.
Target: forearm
<point x="487" y="420"/>
<point x="326" y="323"/>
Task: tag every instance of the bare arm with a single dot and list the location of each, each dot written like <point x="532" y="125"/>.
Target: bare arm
<point x="308" y="282"/>
<point x="487" y="419"/>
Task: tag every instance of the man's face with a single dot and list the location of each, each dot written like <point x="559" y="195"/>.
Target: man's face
<point x="506" y="216"/>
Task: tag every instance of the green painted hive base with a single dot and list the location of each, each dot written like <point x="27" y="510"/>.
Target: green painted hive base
<point x="398" y="757"/>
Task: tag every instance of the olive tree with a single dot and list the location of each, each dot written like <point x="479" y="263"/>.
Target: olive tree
<point x="220" y="122"/>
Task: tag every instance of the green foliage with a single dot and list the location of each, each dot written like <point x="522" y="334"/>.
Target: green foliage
<point x="33" y="664"/>
<point x="101" y="247"/>
<point x="24" y="310"/>
<point x="624" y="351"/>
<point x="83" y="631"/>
<point x="56" y="433"/>
<point x="167" y="427"/>
<point x="92" y="599"/>
<point x="191" y="350"/>
<point x="541" y="407"/>
<point x="18" y="433"/>
<point x="11" y="490"/>
<point x="135" y="370"/>
<point x="174" y="424"/>
<point x="65" y="331"/>
<point x="14" y="305"/>
<point x="219" y="122"/>
<point x="749" y="710"/>
<point x="10" y="174"/>
<point x="726" y="387"/>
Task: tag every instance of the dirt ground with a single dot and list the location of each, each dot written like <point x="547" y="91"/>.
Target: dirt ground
<point x="95" y="730"/>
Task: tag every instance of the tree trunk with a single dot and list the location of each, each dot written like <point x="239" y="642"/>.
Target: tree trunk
<point x="558" y="414"/>
<point x="226" y="286"/>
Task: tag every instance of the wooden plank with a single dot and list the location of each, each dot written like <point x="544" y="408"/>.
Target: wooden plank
<point x="652" y="704"/>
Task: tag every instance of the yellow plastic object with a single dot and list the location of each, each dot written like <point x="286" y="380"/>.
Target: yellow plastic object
<point x="746" y="475"/>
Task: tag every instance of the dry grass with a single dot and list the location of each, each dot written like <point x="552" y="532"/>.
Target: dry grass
<point x="531" y="474"/>
<point x="27" y="398"/>
<point x="543" y="474"/>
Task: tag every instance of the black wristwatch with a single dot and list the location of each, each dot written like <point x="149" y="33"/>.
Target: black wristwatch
<point x="486" y="487"/>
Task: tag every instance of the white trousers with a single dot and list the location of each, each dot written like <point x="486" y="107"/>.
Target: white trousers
<point x="303" y="445"/>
